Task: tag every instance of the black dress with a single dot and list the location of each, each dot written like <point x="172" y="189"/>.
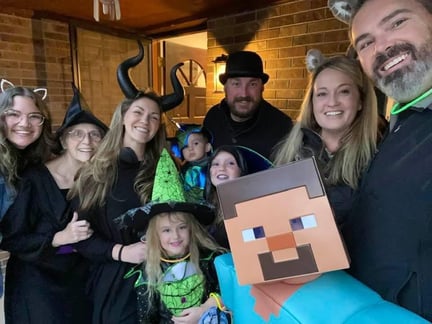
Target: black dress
<point x="43" y="284"/>
<point x="114" y="298"/>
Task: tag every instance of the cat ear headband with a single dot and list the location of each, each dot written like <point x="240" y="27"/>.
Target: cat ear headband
<point x="5" y="84"/>
<point x="314" y="58"/>
<point x="343" y="10"/>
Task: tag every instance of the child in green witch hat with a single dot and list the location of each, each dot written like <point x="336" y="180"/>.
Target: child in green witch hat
<point x="178" y="279"/>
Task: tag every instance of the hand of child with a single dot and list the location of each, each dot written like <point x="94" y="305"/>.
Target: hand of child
<point x="189" y="316"/>
<point x="75" y="231"/>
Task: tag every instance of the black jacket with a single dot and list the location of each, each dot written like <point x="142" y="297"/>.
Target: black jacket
<point x="260" y="133"/>
<point x="113" y="296"/>
<point x="340" y="196"/>
<point x="43" y="284"/>
<point x="389" y="231"/>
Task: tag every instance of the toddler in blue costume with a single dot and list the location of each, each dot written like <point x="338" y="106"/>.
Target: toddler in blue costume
<point x="195" y="146"/>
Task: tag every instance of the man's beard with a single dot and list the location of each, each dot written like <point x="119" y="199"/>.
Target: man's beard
<point x="243" y="114"/>
<point x="412" y="80"/>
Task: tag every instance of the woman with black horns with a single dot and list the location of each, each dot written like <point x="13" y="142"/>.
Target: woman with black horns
<point x="120" y="177"/>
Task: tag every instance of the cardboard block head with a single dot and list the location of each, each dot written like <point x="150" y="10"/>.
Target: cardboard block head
<point x="280" y="224"/>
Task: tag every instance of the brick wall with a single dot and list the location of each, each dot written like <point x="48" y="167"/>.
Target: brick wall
<point x="281" y="34"/>
<point x="36" y="53"/>
<point x="99" y="56"/>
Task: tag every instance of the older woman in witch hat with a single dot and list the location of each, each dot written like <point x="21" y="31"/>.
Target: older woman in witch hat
<point x="37" y="230"/>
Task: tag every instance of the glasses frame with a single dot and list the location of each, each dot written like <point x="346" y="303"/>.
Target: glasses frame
<point x="74" y="133"/>
<point x="20" y="115"/>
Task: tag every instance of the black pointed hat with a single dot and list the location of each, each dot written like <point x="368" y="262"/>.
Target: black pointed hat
<point x="169" y="101"/>
<point x="78" y="113"/>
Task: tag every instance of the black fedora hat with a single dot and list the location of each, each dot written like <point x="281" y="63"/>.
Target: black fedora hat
<point x="244" y="64"/>
<point x="78" y="113"/>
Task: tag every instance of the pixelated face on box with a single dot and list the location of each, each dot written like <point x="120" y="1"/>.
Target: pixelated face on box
<point x="280" y="224"/>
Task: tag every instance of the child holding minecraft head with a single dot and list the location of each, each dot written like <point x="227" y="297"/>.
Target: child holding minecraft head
<point x="195" y="146"/>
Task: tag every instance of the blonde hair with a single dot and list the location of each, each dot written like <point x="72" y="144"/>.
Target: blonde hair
<point x="199" y="239"/>
<point x="97" y="176"/>
<point x="357" y="145"/>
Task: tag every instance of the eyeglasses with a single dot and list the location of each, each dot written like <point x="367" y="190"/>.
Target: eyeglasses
<point x="15" y="116"/>
<point x="79" y="134"/>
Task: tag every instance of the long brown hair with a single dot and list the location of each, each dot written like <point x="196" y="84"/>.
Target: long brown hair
<point x="12" y="160"/>
<point x="97" y="177"/>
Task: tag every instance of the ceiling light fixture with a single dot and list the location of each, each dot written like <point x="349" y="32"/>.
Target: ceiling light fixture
<point x="110" y="8"/>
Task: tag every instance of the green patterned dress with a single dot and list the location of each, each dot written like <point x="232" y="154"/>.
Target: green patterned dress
<point x="182" y="287"/>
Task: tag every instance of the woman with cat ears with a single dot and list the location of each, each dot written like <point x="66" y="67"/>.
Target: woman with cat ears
<point x="38" y="230"/>
<point x="25" y="135"/>
<point x="337" y="125"/>
<point x="25" y="138"/>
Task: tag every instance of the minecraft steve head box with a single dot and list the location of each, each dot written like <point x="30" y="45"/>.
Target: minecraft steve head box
<point x="280" y="224"/>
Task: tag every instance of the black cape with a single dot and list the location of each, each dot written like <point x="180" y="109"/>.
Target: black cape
<point x="43" y="285"/>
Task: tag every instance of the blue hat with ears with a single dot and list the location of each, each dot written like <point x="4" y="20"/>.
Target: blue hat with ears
<point x="186" y="130"/>
<point x="255" y="162"/>
<point x="79" y="113"/>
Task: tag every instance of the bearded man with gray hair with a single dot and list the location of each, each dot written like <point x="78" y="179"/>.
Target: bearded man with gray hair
<point x="389" y="230"/>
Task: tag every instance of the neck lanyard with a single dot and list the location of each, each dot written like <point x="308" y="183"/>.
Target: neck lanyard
<point x="397" y="107"/>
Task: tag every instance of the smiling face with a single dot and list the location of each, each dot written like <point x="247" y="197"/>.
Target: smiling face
<point x="23" y="131"/>
<point x="223" y="167"/>
<point x="197" y="147"/>
<point x="141" y="123"/>
<point x="174" y="233"/>
<point x="393" y="39"/>
<point x="80" y="141"/>
<point x="243" y="96"/>
<point x="336" y="101"/>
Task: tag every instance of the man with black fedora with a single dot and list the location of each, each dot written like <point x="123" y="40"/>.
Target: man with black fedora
<point x="243" y="117"/>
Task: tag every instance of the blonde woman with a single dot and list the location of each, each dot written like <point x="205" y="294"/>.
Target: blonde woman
<point x="337" y="125"/>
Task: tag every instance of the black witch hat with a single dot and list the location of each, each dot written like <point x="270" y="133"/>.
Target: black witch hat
<point x="169" y="101"/>
<point x="78" y="112"/>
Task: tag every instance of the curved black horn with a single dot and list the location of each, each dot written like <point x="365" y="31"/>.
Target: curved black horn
<point x="126" y="84"/>
<point x="174" y="99"/>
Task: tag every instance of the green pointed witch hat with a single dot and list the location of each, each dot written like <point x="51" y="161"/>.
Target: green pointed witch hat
<point x="167" y="196"/>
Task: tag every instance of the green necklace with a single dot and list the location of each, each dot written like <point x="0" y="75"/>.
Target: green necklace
<point x="397" y="108"/>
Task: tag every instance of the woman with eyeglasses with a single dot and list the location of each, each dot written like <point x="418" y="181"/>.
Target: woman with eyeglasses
<point x="45" y="281"/>
<point x="25" y="139"/>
